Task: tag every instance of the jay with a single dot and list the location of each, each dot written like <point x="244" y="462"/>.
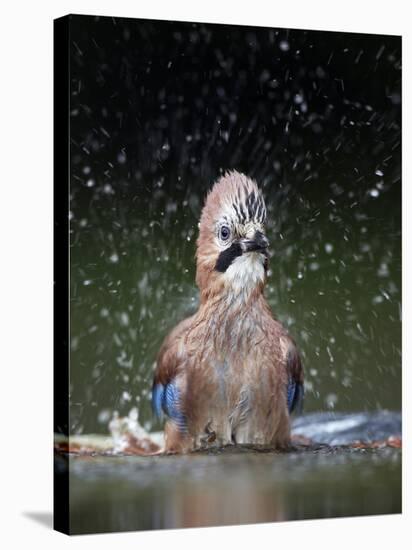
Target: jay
<point x="230" y="374"/>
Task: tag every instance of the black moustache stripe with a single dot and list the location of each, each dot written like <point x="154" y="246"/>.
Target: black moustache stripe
<point x="226" y="257"/>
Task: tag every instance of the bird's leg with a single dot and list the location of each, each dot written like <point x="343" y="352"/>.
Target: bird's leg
<point x="210" y="435"/>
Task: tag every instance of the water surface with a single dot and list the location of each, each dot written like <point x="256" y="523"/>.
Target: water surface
<point x="132" y="493"/>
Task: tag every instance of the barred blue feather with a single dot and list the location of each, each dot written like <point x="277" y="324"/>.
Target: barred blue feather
<point x="166" y="399"/>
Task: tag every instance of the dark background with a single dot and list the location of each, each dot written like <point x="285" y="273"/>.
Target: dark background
<point x="247" y="97"/>
<point x="158" y="111"/>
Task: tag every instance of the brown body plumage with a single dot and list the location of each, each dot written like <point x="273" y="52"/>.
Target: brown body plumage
<point x="231" y="365"/>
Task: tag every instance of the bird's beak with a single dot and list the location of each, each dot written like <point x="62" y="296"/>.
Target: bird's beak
<point x="259" y="243"/>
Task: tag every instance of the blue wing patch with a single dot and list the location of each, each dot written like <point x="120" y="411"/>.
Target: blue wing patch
<point x="166" y="399"/>
<point x="157" y="398"/>
<point x="294" y="395"/>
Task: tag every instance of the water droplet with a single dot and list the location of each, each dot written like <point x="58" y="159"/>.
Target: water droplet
<point x="104" y="416"/>
<point x="121" y="157"/>
<point x="331" y="400"/>
<point x="126" y="396"/>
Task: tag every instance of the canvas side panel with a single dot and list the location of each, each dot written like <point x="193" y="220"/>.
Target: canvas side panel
<point x="61" y="266"/>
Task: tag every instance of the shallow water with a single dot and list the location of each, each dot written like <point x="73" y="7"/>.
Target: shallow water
<point x="132" y="493"/>
<point x="236" y="485"/>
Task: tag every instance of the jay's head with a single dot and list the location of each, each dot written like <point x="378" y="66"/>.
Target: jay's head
<point x="232" y="246"/>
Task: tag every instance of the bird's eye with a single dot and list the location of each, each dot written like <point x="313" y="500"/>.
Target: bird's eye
<point x="224" y="233"/>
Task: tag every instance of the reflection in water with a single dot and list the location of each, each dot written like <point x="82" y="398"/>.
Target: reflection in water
<point x="132" y="493"/>
<point x="242" y="502"/>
